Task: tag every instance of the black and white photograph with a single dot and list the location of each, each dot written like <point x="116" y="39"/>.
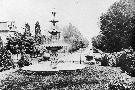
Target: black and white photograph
<point x="67" y="44"/>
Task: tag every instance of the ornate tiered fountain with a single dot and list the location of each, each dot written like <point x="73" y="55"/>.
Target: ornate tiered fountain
<point x="53" y="48"/>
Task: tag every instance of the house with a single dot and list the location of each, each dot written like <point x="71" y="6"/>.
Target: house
<point x="7" y="28"/>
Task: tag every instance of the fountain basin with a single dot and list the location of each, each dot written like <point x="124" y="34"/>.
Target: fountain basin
<point x="44" y="68"/>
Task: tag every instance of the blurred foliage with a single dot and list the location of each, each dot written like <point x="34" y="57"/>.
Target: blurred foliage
<point x="73" y="37"/>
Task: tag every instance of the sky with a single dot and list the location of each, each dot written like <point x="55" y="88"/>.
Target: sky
<point x="84" y="14"/>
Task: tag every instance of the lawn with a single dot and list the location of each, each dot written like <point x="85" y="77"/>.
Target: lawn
<point x="89" y="78"/>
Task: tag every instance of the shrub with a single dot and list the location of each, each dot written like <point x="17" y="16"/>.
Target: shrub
<point x="24" y="61"/>
<point x="124" y="59"/>
<point x="127" y="61"/>
<point x="104" y="60"/>
<point x="90" y="78"/>
<point x="5" y="61"/>
<point x="108" y="59"/>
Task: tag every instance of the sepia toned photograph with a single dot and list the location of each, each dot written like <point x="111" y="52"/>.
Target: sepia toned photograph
<point x="67" y="44"/>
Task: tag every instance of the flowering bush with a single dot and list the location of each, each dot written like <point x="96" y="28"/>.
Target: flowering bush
<point x="124" y="59"/>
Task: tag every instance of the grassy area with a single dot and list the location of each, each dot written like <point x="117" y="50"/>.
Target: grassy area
<point x="93" y="77"/>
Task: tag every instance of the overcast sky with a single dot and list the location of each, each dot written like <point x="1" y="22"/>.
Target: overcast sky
<point x="83" y="14"/>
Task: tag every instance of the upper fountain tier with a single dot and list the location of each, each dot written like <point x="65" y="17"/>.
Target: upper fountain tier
<point x="53" y="30"/>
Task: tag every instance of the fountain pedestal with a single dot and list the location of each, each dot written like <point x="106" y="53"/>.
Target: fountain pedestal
<point x="54" y="55"/>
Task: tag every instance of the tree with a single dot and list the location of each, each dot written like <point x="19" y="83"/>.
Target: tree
<point x="27" y="40"/>
<point x="118" y="28"/>
<point x="20" y="42"/>
<point x="14" y="43"/>
<point x="27" y="30"/>
<point x="1" y="43"/>
<point x="73" y="37"/>
<point x="1" y="51"/>
<point x="5" y="59"/>
<point x="118" y="25"/>
<point x="98" y="42"/>
<point x="28" y="44"/>
<point x="38" y="36"/>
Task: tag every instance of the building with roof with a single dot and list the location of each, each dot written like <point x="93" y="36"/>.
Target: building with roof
<point x="7" y="28"/>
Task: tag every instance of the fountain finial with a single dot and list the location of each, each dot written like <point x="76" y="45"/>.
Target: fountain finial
<point x="54" y="21"/>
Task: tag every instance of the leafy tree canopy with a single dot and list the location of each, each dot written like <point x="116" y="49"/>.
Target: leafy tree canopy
<point x="118" y="26"/>
<point x="73" y="37"/>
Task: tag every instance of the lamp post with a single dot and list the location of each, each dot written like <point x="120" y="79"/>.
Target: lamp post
<point x="81" y="47"/>
<point x="17" y="49"/>
<point x="80" y="55"/>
